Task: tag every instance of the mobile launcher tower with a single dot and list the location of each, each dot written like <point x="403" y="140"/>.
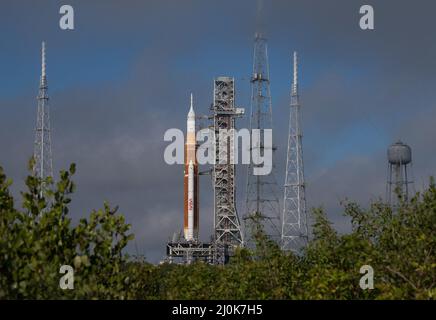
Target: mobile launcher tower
<point x="227" y="227"/>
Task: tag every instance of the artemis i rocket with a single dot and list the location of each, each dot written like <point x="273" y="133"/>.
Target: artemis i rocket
<point x="191" y="180"/>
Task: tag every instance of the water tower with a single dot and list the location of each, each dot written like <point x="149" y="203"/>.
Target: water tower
<point x="400" y="160"/>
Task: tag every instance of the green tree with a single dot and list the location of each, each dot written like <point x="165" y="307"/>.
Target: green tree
<point x="36" y="241"/>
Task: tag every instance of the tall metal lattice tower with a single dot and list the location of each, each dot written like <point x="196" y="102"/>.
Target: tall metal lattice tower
<point x="262" y="200"/>
<point x="226" y="223"/>
<point x="294" y="219"/>
<point x="399" y="173"/>
<point x="43" y="166"/>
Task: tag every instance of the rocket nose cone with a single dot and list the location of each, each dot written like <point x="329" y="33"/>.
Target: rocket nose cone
<point x="191" y="112"/>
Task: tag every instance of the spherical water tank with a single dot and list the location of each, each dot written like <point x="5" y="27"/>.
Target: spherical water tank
<point x="399" y="153"/>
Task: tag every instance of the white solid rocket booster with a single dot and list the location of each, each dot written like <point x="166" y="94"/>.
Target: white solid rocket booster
<point x="191" y="203"/>
<point x="191" y="180"/>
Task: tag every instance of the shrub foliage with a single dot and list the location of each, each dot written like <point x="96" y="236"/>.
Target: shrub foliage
<point x="39" y="238"/>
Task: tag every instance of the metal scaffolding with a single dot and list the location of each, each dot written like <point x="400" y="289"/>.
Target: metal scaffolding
<point x="226" y="221"/>
<point x="262" y="200"/>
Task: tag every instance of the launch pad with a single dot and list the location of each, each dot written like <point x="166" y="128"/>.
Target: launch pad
<point x="188" y="252"/>
<point x="183" y="252"/>
<point x="227" y="233"/>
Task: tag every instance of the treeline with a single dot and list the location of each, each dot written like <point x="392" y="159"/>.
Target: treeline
<point x="39" y="238"/>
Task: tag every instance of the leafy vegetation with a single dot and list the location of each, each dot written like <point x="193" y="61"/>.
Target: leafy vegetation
<point x="36" y="240"/>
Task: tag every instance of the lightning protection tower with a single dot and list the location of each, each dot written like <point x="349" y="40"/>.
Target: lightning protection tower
<point x="262" y="200"/>
<point x="43" y="166"/>
<point x="399" y="167"/>
<point x="294" y="219"/>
